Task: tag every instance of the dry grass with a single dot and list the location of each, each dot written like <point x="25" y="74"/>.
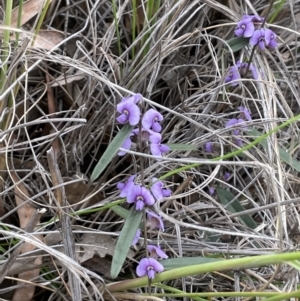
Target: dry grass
<point x="180" y="71"/>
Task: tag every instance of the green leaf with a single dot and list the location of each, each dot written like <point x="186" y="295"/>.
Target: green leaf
<point x="125" y="240"/>
<point x="174" y="263"/>
<point x="111" y="151"/>
<point x="284" y="156"/>
<point x="182" y="147"/>
<point x="226" y="197"/>
<point x="238" y="43"/>
<point x="122" y="212"/>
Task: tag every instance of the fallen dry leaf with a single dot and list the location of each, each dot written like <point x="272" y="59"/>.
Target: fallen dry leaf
<point x="25" y="213"/>
<point x="47" y="39"/>
<point x="30" y="9"/>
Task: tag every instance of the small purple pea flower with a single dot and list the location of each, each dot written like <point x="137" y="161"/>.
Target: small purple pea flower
<point x="134" y="98"/>
<point x="126" y="186"/>
<point x="211" y="190"/>
<point x="227" y="175"/>
<point x="209" y="147"/>
<point x="243" y="68"/>
<point x="154" y="221"/>
<point x="156" y="148"/>
<point x="136" y="237"/>
<point x="158" y="190"/>
<point x="140" y="196"/>
<point x="151" y="121"/>
<point x="156" y="252"/>
<point x="245" y="28"/>
<point x="129" y="111"/>
<point x="149" y="267"/>
<point x="263" y="38"/>
<point x="246" y="113"/>
<point x="126" y="145"/>
<point x="233" y="74"/>
<point x="145" y="134"/>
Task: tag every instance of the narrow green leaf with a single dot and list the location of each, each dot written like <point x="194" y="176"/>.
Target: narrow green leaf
<point x="182" y="147"/>
<point x="174" y="263"/>
<point x="226" y="197"/>
<point x="125" y="240"/>
<point x="238" y="43"/>
<point x="111" y="151"/>
<point x="122" y="212"/>
<point x="284" y="156"/>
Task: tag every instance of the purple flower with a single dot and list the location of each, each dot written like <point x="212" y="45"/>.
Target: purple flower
<point x="234" y="121"/>
<point x="151" y="121"/>
<point x="134" y="98"/>
<point x="232" y="75"/>
<point x="126" y="145"/>
<point x="136" y="237"/>
<point x="129" y="111"/>
<point x="245" y="28"/>
<point x="158" y="190"/>
<point x="253" y="18"/>
<point x="126" y="187"/>
<point x="226" y="175"/>
<point x="246" y="113"/>
<point x="140" y="196"/>
<point x="209" y="147"/>
<point x="148" y="267"/>
<point x="156" y="148"/>
<point x="154" y="221"/>
<point x="238" y="142"/>
<point x="263" y="38"/>
<point x="156" y="252"/>
<point x="211" y="190"/>
<point x="270" y="37"/>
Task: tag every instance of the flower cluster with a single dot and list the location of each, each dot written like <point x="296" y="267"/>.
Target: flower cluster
<point x="250" y="27"/>
<point x="151" y="127"/>
<point x="139" y="195"/>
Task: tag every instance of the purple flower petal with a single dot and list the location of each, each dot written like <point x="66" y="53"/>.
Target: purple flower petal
<point x="211" y="190"/>
<point x="140" y="196"/>
<point x="126" y="145"/>
<point x="156" y="251"/>
<point x="156" y="148"/>
<point x="231" y="122"/>
<point x="126" y="187"/>
<point x="258" y="38"/>
<point x="154" y="221"/>
<point x="270" y="38"/>
<point x="245" y="28"/>
<point x="129" y="111"/>
<point x="246" y="113"/>
<point x="232" y="75"/>
<point x="158" y="191"/>
<point x="227" y="175"/>
<point x="149" y="267"/>
<point x="136" y="237"/>
<point x="134" y="98"/>
<point x="151" y="120"/>
<point x="209" y="147"/>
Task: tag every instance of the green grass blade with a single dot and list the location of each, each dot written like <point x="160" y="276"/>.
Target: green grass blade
<point x="111" y="151"/>
<point x="125" y="240"/>
<point x="174" y="263"/>
<point x="226" y="197"/>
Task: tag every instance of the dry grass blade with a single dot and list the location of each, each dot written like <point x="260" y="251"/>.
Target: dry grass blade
<point x="68" y="239"/>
